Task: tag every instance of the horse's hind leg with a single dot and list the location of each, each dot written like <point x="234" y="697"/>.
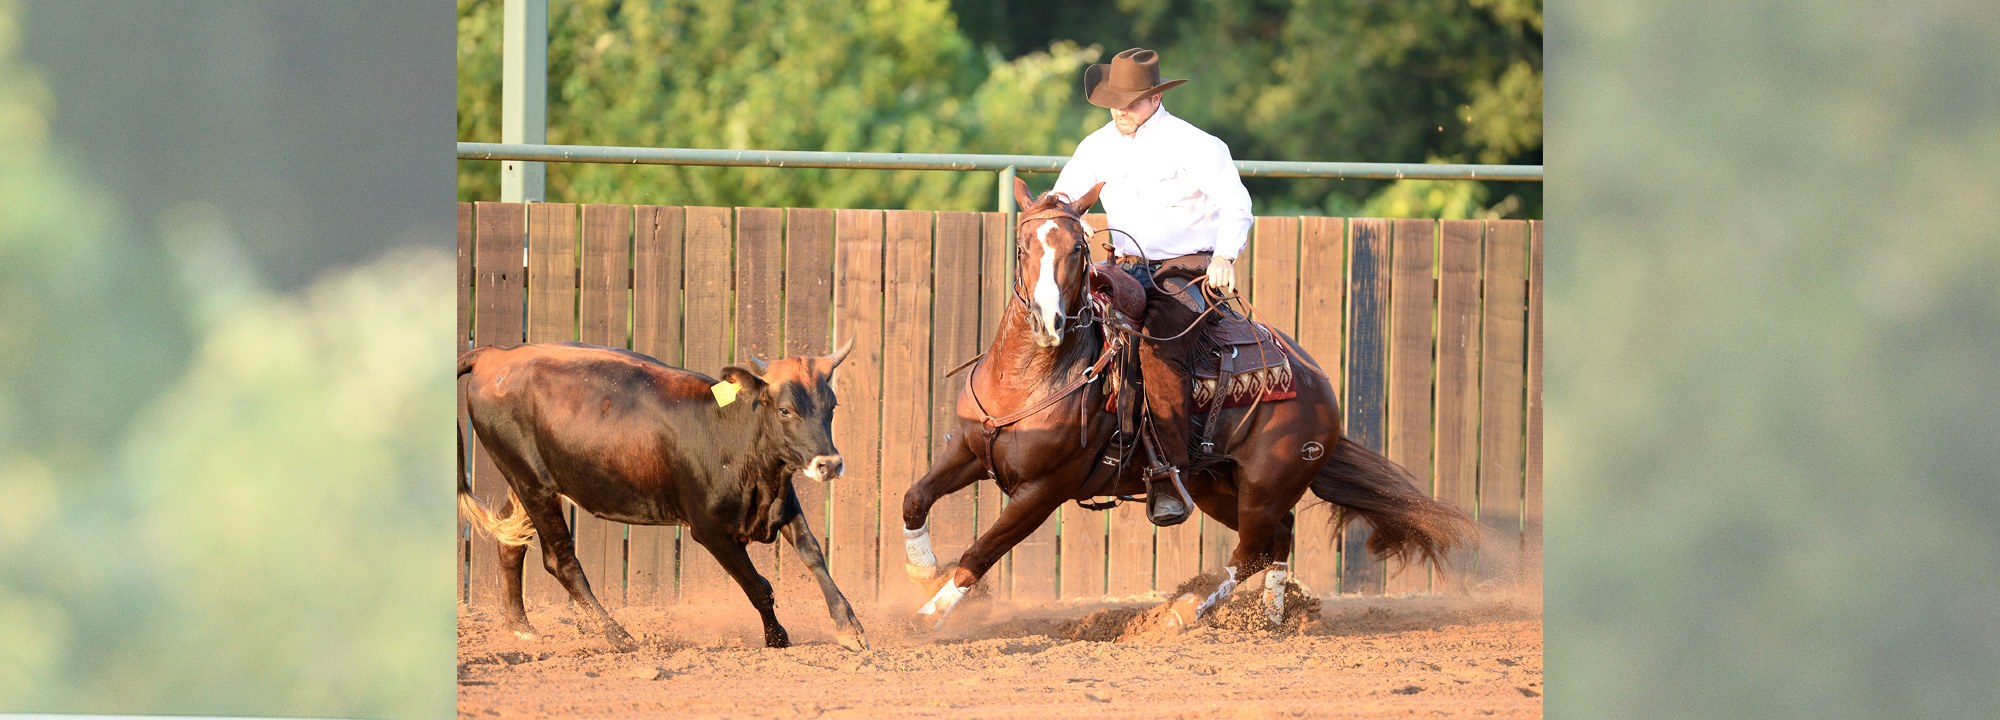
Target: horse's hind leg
<point x="955" y="468"/>
<point x="1270" y="485"/>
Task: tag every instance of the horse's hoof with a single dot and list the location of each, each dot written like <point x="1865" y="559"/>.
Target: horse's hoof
<point x="854" y="641"/>
<point x="1184" y="611"/>
<point x="920" y="574"/>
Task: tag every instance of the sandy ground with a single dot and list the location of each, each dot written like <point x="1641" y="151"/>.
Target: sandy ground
<point x="1474" y="656"/>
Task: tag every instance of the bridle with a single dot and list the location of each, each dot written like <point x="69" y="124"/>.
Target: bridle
<point x="1085" y="316"/>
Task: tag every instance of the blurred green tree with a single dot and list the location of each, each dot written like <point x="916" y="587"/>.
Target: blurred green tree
<point x="772" y="74"/>
<point x="1343" y="80"/>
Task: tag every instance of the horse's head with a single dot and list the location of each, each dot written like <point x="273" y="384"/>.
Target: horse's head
<point x="1052" y="260"/>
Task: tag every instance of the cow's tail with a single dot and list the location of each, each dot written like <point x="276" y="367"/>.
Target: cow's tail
<point x="1409" y="525"/>
<point x="512" y="528"/>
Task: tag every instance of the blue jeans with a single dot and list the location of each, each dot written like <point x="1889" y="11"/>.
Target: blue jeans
<point x="1141" y="272"/>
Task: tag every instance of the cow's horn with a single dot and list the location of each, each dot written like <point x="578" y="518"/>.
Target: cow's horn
<point x="841" y="354"/>
<point x="761" y="366"/>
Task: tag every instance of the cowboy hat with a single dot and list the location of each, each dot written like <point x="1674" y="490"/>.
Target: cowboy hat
<point x="1132" y="74"/>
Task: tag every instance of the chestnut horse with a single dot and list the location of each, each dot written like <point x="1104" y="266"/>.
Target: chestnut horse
<point x="1032" y="417"/>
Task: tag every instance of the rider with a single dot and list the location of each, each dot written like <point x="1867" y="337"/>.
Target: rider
<point x="1172" y="190"/>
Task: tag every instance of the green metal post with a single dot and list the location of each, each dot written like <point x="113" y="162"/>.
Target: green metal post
<point x="524" y="94"/>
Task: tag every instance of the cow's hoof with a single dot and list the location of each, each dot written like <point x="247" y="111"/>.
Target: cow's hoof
<point x="523" y="630"/>
<point x="854" y="641"/>
<point x="777" y="640"/>
<point x="619" y="639"/>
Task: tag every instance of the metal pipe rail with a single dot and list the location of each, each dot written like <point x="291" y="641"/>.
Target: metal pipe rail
<point x="964" y="162"/>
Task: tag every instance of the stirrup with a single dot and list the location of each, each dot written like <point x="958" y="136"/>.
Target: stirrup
<point x="1163" y="482"/>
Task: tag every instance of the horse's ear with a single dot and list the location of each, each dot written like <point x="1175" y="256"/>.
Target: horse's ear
<point x="1022" y="198"/>
<point x="1083" y="204"/>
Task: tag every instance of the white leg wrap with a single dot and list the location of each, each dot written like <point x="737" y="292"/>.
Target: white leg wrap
<point x="941" y="604"/>
<point x="917" y="547"/>
<point x="1221" y="591"/>
<point x="1274" y="593"/>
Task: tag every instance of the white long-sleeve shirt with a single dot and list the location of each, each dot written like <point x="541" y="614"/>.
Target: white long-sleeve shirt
<point x="1171" y="185"/>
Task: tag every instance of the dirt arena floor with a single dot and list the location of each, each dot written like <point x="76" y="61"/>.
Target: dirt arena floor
<point x="1476" y="656"/>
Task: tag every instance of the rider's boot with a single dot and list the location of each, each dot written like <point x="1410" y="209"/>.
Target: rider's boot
<point x="1167" y="400"/>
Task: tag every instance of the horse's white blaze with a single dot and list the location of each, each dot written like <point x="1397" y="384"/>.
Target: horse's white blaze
<point x="1274" y="593"/>
<point x="917" y="547"/>
<point x="1047" y="296"/>
<point x="947" y="597"/>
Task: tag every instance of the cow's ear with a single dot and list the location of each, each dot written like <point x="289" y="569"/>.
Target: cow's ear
<point x="753" y="387"/>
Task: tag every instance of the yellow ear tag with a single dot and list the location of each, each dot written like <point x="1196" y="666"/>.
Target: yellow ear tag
<point x="725" y="392"/>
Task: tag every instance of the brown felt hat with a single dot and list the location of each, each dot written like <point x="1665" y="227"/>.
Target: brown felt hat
<point x="1132" y="74"/>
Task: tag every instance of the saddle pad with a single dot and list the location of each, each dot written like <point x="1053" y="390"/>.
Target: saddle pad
<point x="1254" y="346"/>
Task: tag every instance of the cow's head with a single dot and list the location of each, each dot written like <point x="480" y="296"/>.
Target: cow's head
<point x="794" y="401"/>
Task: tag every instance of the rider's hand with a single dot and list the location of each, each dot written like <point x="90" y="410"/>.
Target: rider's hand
<point x="1222" y="274"/>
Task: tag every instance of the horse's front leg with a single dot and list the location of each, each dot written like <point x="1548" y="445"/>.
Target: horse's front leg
<point x="1030" y="507"/>
<point x="955" y="468"/>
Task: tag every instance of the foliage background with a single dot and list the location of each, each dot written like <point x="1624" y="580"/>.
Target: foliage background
<point x="1351" y="80"/>
<point x="225" y="399"/>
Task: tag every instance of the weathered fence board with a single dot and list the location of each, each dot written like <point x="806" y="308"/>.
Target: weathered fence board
<point x="808" y="301"/>
<point x="1531" y="526"/>
<point x="709" y="287"/>
<point x="551" y="288"/>
<point x="760" y="307"/>
<point x="462" y="341"/>
<point x="653" y="559"/>
<point x="1430" y="331"/>
<point x="1503" y="345"/>
<point x="1322" y="309"/>
<point x="501" y="234"/>
<point x="857" y="315"/>
<point x="1367" y="361"/>
<point x="955" y="264"/>
<point x="906" y="378"/>
<point x="602" y="277"/>
<point x="1408" y="411"/>
<point x="1456" y="451"/>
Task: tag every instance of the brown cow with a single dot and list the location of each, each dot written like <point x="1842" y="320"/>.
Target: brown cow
<point x="630" y="439"/>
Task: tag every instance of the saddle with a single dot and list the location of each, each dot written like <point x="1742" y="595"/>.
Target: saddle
<point x="1249" y="354"/>
<point x="1245" y="358"/>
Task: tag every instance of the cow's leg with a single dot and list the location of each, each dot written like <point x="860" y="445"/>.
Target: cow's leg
<point x="736" y="560"/>
<point x="846" y="628"/>
<point x="955" y="468"/>
<point x="559" y="558"/>
<point x="513" y="559"/>
<point x="1030" y="508"/>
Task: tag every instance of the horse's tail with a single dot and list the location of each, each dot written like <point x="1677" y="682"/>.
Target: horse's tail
<point x="512" y="528"/>
<point x="1409" y="525"/>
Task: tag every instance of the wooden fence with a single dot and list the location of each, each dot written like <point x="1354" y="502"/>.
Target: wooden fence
<point x="1432" y="329"/>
